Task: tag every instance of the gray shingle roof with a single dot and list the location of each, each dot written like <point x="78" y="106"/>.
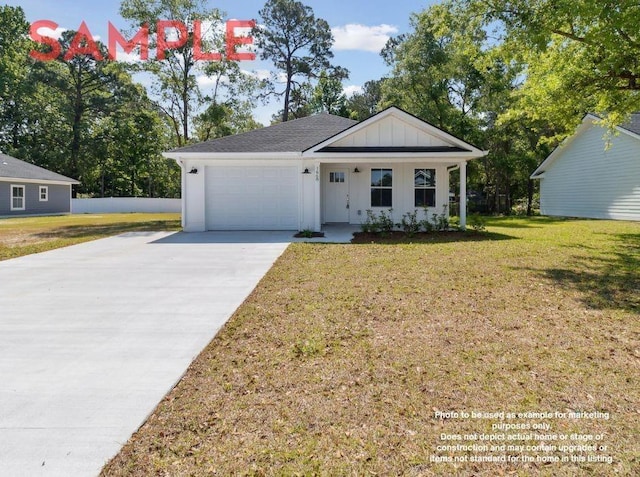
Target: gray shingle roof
<point x="292" y="136"/>
<point x="634" y="124"/>
<point x="13" y="168"/>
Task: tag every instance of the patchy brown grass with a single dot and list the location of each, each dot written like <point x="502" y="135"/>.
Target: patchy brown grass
<point x="338" y="361"/>
<point x="26" y="235"/>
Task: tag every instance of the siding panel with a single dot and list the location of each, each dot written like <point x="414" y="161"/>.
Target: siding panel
<point x="59" y="199"/>
<point x="588" y="181"/>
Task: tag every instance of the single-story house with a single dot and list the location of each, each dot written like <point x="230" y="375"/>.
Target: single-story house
<point x="321" y="169"/>
<point x="593" y="174"/>
<point x="26" y="189"/>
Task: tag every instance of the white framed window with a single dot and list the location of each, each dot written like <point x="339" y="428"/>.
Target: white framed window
<point x="425" y="187"/>
<point x="17" y="197"/>
<point x="381" y="188"/>
<point x="336" y="177"/>
<point x="43" y="193"/>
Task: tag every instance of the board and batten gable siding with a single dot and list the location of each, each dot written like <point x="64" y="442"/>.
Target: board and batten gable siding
<point x="588" y="180"/>
<point x="392" y="132"/>
<point x="59" y="200"/>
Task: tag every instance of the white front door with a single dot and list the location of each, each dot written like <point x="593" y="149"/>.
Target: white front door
<point x="336" y="195"/>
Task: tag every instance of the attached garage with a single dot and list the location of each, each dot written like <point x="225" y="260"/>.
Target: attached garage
<point x="251" y="198"/>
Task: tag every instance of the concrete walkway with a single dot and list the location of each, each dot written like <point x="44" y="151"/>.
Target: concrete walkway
<point x="93" y="336"/>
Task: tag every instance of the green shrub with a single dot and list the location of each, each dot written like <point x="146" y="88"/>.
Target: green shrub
<point x="477" y="223"/>
<point x="410" y="223"/>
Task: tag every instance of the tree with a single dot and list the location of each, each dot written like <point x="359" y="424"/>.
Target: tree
<point x="581" y="55"/>
<point x="364" y="105"/>
<point x="298" y="44"/>
<point x="230" y="102"/>
<point x="449" y="72"/>
<point x="328" y="95"/>
<point x="177" y="74"/>
<point x="14" y="69"/>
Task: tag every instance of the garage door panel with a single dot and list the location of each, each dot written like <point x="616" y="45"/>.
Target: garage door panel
<point x="252" y="198"/>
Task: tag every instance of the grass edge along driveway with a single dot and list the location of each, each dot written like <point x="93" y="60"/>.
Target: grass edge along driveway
<point x="26" y="235"/>
<point x="343" y="356"/>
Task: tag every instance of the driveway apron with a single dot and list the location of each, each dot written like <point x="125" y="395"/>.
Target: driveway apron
<point x="93" y="336"/>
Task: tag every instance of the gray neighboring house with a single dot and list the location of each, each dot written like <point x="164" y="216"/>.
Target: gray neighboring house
<point x="26" y="189"/>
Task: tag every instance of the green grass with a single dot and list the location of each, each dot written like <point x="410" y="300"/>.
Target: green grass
<point x="26" y="235"/>
<point x="337" y="362"/>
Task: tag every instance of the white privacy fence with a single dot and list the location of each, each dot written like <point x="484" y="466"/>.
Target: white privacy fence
<point x="123" y="205"/>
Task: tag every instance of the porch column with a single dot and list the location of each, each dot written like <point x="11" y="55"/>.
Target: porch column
<point x="463" y="195"/>
<point x="318" y="197"/>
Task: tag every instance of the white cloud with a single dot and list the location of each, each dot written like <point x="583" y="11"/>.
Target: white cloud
<point x="57" y="33"/>
<point x="130" y="58"/>
<point x="210" y="81"/>
<point x="258" y="74"/>
<point x="354" y="36"/>
<point x="351" y="90"/>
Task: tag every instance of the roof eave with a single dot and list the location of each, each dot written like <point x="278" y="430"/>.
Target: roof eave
<point x="363" y="156"/>
<point x="39" y="181"/>
<point x="213" y="156"/>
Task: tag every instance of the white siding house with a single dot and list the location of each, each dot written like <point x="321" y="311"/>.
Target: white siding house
<point x="586" y="177"/>
<point x="321" y="169"/>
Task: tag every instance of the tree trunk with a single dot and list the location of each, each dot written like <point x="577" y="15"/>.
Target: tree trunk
<point x="287" y="94"/>
<point x="530" y="198"/>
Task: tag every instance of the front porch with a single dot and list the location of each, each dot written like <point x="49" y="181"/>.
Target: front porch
<point x="342" y="192"/>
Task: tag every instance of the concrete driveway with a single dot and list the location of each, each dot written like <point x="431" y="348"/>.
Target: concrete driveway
<point x="93" y="336"/>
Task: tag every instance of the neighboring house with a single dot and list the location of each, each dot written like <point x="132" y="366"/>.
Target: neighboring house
<point x="321" y="169"/>
<point x="586" y="177"/>
<point x="26" y="189"/>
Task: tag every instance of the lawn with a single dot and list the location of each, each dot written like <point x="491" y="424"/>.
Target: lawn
<point x="25" y="235"/>
<point x="346" y="359"/>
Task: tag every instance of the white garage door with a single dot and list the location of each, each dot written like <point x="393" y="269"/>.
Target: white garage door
<point x="252" y="198"/>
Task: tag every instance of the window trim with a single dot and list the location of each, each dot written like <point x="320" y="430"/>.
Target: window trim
<point x="380" y="187"/>
<point x="46" y="193"/>
<point x="434" y="188"/>
<point x="24" y="198"/>
<point x="337" y="177"/>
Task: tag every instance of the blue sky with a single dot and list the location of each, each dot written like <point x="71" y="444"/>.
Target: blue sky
<point x="359" y="26"/>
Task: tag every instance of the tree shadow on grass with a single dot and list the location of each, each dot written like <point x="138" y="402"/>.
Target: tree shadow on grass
<point x="606" y="282"/>
<point x="535" y="222"/>
<point x="106" y="230"/>
<point x="394" y="238"/>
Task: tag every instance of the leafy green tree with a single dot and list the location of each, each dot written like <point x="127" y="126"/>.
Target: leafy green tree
<point x="230" y="103"/>
<point x="328" y="95"/>
<point x="449" y="72"/>
<point x="367" y="103"/>
<point x="298" y="44"/>
<point x="581" y="55"/>
<point x="177" y="74"/>
<point x="14" y="69"/>
<point x="224" y="119"/>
